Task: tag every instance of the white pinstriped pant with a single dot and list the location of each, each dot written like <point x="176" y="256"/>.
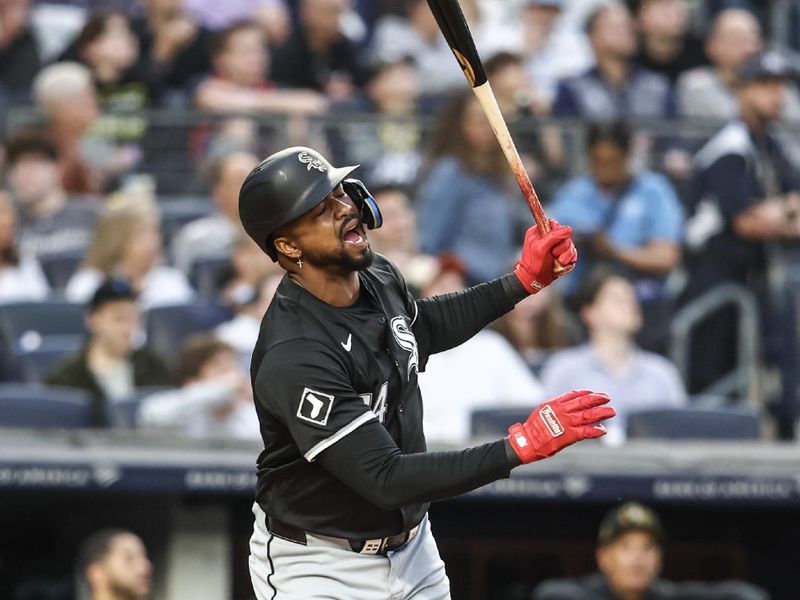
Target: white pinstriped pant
<point x="327" y="568"/>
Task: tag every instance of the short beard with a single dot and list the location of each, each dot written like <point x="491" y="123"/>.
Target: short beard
<point x="342" y="260"/>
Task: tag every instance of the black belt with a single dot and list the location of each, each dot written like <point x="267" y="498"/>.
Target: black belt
<point x="370" y="546"/>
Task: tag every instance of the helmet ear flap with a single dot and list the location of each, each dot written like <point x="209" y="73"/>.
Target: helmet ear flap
<point x="367" y="207"/>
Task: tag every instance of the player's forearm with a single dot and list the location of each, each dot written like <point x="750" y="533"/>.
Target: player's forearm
<point x="389" y="479"/>
<point x="451" y="319"/>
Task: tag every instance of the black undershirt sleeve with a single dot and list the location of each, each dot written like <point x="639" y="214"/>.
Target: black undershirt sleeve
<point x="368" y="461"/>
<point x="445" y="321"/>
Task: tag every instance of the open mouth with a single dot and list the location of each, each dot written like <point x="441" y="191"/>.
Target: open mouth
<point x="354" y="233"/>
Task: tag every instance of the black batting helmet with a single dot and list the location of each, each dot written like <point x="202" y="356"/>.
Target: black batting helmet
<point x="288" y="184"/>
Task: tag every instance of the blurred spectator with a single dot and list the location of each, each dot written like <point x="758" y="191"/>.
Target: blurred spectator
<point x="629" y="554"/>
<point x="212" y="236"/>
<point x="241" y="332"/>
<point x="466" y="203"/>
<point x="551" y="50"/>
<point x="710" y="92"/>
<point x="272" y="16"/>
<point x="483" y="372"/>
<point x="746" y="202"/>
<point x="540" y="148"/>
<point x="397" y="238"/>
<point x="249" y="270"/>
<point x="615" y="86"/>
<point x="50" y="223"/>
<point x="317" y="55"/>
<point x="21" y="276"/>
<point x="110" y="366"/>
<point x="417" y="35"/>
<point x="666" y="44"/>
<point x="67" y="97"/>
<point x="108" y="46"/>
<point x="112" y="564"/>
<point x="387" y="144"/>
<point x="631" y="221"/>
<point x="240" y="81"/>
<point x="538" y="326"/>
<point x="19" y="54"/>
<point x="127" y="244"/>
<point x="174" y="47"/>
<point x="215" y="398"/>
<point x="610" y="361"/>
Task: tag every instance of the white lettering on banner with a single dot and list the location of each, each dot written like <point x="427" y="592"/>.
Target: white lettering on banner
<point x="733" y="489"/>
<point x="574" y="486"/>
<point x="219" y="480"/>
<point x="65" y="477"/>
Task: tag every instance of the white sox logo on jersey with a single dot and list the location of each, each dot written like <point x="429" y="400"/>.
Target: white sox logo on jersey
<point x="311" y="162"/>
<point x="406" y="340"/>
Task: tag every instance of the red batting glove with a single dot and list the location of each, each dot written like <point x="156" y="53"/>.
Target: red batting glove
<point x="535" y="269"/>
<point x="559" y="423"/>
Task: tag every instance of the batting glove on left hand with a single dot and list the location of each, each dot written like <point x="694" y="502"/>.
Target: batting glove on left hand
<point x="536" y="268"/>
<point x="559" y="423"/>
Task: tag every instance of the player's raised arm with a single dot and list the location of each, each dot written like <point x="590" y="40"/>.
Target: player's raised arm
<point x="446" y="321"/>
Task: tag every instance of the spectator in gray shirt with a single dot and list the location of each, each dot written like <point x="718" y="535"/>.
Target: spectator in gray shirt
<point x="49" y="222"/>
<point x="213" y="236"/>
<point x="611" y="361"/>
<point x="711" y="92"/>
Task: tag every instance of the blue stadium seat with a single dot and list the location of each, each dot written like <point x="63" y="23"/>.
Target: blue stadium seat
<point x="177" y="212"/>
<point x="695" y="424"/>
<point x="169" y="326"/>
<point x="122" y="413"/>
<point x="25" y="405"/>
<point x="59" y="268"/>
<point x="27" y="327"/>
<point x="496" y="421"/>
<point x="33" y="365"/>
<point x="207" y="275"/>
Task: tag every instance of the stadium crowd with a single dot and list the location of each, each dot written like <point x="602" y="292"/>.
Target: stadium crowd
<point x="660" y="130"/>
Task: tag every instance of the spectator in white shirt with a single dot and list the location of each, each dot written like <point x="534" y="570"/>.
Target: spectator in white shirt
<point x="21" y="276"/>
<point x="215" y="398"/>
<point x="483" y="372"/>
<point x="127" y="244"/>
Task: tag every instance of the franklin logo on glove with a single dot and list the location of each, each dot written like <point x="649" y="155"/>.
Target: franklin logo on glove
<point x="551" y="421"/>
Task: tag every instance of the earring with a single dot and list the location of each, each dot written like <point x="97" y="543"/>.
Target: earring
<point x="300" y="262"/>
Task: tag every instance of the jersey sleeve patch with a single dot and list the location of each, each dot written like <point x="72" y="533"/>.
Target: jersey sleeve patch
<point x="315" y="407"/>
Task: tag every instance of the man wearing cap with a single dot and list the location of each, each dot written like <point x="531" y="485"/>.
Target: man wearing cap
<point x="110" y="366"/>
<point x="344" y="481"/>
<point x="629" y="555"/>
<point x="746" y="202"/>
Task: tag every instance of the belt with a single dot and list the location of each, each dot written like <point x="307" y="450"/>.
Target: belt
<point x="370" y="546"/>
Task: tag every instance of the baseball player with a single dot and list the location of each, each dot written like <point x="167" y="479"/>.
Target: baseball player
<point x="344" y="481"/>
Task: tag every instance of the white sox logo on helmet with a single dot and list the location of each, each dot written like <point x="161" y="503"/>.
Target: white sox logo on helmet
<point x="311" y="162"/>
<point x="406" y="340"/>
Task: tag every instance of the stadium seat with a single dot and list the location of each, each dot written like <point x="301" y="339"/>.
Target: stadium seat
<point x="59" y="268"/>
<point x="33" y="365"/>
<point x="122" y="413"/>
<point x="169" y="326"/>
<point x="207" y="275"/>
<point x="694" y="424"/>
<point x="28" y="327"/>
<point x="25" y="405"/>
<point x="496" y="421"/>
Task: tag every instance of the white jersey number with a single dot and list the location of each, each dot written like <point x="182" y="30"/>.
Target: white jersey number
<point x="379" y="406"/>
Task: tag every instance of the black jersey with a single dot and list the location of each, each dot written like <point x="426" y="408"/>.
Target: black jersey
<point x="324" y="374"/>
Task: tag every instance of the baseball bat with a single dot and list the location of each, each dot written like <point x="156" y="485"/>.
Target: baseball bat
<point x="454" y="27"/>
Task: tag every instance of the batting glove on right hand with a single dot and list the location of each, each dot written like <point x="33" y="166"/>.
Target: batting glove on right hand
<point x="559" y="423"/>
<point x="536" y="268"/>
